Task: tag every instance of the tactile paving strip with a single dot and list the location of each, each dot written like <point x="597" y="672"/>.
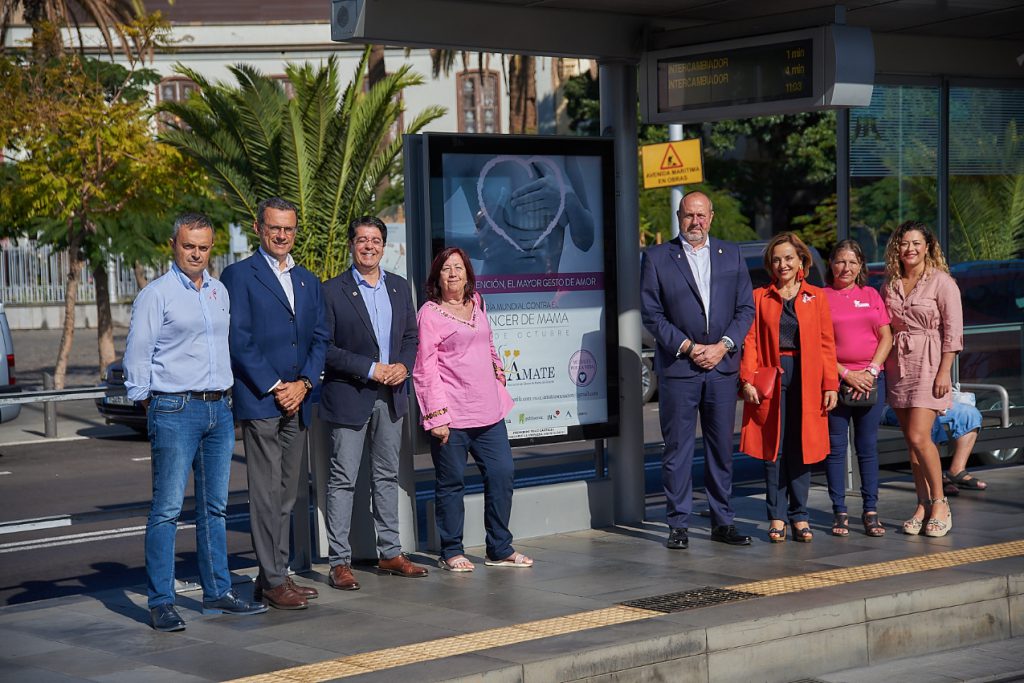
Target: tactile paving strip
<point x="633" y="610"/>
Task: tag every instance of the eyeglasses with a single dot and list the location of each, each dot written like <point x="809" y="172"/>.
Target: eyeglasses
<point x="375" y="241"/>
<point x="280" y="229"/>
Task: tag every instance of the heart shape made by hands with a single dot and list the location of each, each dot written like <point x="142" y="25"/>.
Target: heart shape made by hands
<point x="528" y="164"/>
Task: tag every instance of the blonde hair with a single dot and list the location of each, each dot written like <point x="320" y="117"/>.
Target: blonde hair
<point x="933" y="258"/>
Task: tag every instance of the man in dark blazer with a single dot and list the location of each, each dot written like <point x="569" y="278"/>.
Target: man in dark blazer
<point x="696" y="300"/>
<point x="365" y="397"/>
<point x="278" y="339"/>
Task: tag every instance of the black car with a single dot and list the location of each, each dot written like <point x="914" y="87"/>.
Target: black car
<point x="116" y="407"/>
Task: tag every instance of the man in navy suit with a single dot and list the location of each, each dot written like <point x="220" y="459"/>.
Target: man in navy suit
<point x="278" y="339"/>
<point x="696" y="300"/>
<point x="373" y="340"/>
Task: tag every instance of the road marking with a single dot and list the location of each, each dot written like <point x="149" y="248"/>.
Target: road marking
<point x="34" y="442"/>
<point x="20" y="525"/>
<point x="5" y="473"/>
<point x="431" y="650"/>
<point x="93" y="536"/>
<point x="148" y="457"/>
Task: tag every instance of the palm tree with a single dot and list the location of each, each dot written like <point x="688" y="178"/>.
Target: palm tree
<point x="44" y="16"/>
<point x="326" y="149"/>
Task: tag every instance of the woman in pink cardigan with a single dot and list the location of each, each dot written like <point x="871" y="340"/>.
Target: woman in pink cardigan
<point x="460" y="386"/>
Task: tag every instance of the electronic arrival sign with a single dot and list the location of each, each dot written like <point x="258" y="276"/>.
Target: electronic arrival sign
<point x="820" y="68"/>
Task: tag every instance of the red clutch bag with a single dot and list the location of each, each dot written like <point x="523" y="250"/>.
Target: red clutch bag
<point x="765" y="380"/>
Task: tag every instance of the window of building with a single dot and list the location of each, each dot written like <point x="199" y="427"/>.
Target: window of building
<point x="477" y="101"/>
<point x="175" y="89"/>
<point x="286" y="85"/>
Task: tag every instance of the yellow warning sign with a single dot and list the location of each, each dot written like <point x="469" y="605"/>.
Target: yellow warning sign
<point x="672" y="163"/>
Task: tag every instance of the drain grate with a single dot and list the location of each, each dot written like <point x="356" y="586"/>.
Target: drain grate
<point x="692" y="599"/>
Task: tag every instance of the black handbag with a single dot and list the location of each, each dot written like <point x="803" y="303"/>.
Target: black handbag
<point x="846" y="398"/>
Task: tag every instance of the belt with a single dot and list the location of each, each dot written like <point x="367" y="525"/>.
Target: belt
<point x="906" y="345"/>
<point x="196" y="395"/>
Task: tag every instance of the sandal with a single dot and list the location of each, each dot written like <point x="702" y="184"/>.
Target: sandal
<point x="937" y="528"/>
<point x="777" y="535"/>
<point x="964" y="480"/>
<point x="459" y="563"/>
<point x="872" y="527"/>
<point x="515" y="560"/>
<point x="913" y="526"/>
<point x="803" y="534"/>
<point x="841" y="524"/>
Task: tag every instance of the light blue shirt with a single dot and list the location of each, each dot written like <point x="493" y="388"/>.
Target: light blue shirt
<point x="283" y="276"/>
<point x="178" y="338"/>
<point x="700" y="264"/>
<point x="378" y="305"/>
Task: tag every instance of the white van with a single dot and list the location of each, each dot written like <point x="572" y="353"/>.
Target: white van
<point x="8" y="381"/>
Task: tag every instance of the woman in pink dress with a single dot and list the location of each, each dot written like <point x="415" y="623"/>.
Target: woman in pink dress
<point x="924" y="305"/>
<point x="460" y="386"/>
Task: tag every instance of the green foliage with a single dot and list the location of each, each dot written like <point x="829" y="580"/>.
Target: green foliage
<point x="327" y="149"/>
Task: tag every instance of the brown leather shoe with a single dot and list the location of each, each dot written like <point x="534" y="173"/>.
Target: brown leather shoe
<point x="401" y="566"/>
<point x="283" y="597"/>
<point x="307" y="592"/>
<point x="342" y="579"/>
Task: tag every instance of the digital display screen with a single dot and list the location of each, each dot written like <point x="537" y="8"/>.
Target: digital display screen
<point x="748" y="75"/>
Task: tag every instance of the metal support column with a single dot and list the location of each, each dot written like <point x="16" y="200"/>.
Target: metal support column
<point x="618" y="83"/>
<point x="675" y="132"/>
<point x="843" y="174"/>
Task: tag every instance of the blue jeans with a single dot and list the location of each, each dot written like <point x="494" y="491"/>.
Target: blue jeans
<point x="788" y="478"/>
<point x="865" y="442"/>
<point x="189" y="434"/>
<point x="490" y="449"/>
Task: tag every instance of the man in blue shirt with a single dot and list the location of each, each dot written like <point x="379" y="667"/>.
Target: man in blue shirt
<point x="177" y="364"/>
<point x="278" y="338"/>
<point x="371" y="322"/>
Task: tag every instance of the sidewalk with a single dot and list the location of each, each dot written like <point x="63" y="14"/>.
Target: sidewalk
<point x="711" y="613"/>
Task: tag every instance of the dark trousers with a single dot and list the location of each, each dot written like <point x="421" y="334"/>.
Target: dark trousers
<point x="713" y="395"/>
<point x="493" y="455"/>
<point x="788" y="479"/>
<point x="273" y="458"/>
<point x="865" y="442"/>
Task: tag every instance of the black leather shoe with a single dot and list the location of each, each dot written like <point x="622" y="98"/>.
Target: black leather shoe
<point x="726" y="533"/>
<point x="232" y="604"/>
<point x="677" y="539"/>
<point x="166" y="618"/>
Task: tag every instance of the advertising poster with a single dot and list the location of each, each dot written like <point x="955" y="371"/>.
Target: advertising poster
<point x="533" y="219"/>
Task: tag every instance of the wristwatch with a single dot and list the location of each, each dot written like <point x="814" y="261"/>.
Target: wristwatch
<point x="306" y="383"/>
<point x="728" y="343"/>
<point x="872" y="370"/>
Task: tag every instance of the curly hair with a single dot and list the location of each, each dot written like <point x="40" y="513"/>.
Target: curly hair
<point x="433" y="286"/>
<point x="851" y="246"/>
<point x="933" y="258"/>
<point x="806" y="260"/>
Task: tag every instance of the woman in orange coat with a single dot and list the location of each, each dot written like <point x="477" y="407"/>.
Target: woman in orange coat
<point x="792" y="331"/>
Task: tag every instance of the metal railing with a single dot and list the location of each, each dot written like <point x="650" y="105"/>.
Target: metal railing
<point x="31" y="273"/>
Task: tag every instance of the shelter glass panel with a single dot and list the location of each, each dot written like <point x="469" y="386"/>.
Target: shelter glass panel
<point x="893" y="163"/>
<point x="986" y="233"/>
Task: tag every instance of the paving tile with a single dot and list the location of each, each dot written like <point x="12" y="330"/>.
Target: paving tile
<point x="294" y="652"/>
<point x="11" y="672"/>
<point x="462" y="668"/>
<point x="77" y="661"/>
<point x="14" y="643"/>
<point x="215" y="661"/>
<point x="150" y="674"/>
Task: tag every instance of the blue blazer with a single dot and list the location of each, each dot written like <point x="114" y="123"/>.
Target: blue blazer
<point x="347" y="395"/>
<point x="672" y="309"/>
<point x="268" y="342"/>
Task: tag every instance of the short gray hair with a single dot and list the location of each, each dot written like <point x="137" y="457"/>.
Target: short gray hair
<point x="192" y="220"/>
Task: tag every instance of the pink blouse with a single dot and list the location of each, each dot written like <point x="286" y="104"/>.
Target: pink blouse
<point x="457" y="369"/>
<point x="857" y="313"/>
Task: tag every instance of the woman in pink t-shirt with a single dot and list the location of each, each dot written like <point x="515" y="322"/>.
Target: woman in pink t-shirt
<point x="460" y="386"/>
<point x="863" y="341"/>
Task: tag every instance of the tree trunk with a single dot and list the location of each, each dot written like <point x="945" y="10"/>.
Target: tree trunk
<point x="104" y="318"/>
<point x="522" y="94"/>
<point x="67" y="336"/>
<point x="376" y="71"/>
<point x="140" y="275"/>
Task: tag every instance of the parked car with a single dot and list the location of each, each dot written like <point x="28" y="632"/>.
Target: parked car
<point x="753" y="254"/>
<point x="8" y="380"/>
<point x="119" y="409"/>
